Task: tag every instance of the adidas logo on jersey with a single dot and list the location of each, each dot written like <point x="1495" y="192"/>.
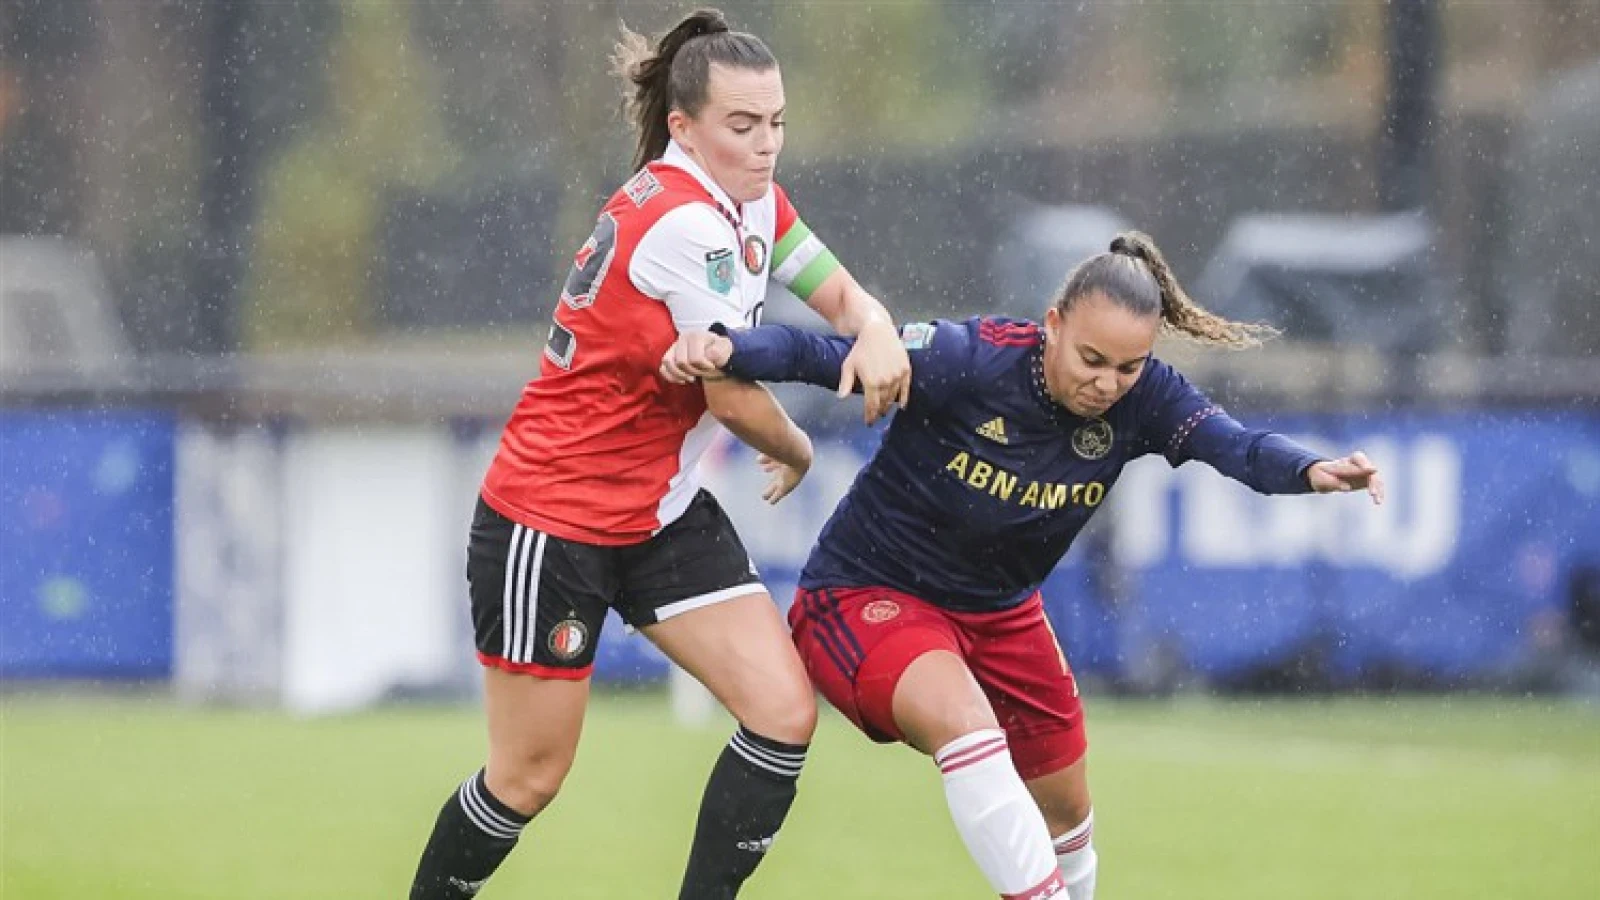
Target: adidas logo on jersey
<point x="994" y="430"/>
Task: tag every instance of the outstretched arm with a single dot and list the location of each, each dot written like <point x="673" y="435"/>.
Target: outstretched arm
<point x="1274" y="464"/>
<point x="941" y="353"/>
<point x="1184" y="424"/>
<point x="767" y="353"/>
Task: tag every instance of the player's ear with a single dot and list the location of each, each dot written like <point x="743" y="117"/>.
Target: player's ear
<point x="1052" y="323"/>
<point x="678" y="126"/>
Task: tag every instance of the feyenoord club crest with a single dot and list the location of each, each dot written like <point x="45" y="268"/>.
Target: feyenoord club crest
<point x="879" y="611"/>
<point x="1092" y="441"/>
<point x="719" y="270"/>
<point x="568" y="639"/>
<point x="755" y="254"/>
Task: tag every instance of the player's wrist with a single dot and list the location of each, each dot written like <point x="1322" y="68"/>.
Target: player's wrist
<point x="878" y="326"/>
<point x="720" y="352"/>
<point x="801" y="450"/>
<point x="1308" y="474"/>
<point x="721" y="349"/>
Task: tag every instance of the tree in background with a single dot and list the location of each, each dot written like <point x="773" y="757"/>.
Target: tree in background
<point x="874" y="78"/>
<point x="311" y="267"/>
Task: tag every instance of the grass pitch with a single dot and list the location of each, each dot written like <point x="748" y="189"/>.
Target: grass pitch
<point x="1443" y="798"/>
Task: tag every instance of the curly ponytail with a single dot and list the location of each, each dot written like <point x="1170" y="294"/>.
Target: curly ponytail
<point x="1179" y="312"/>
<point x="1136" y="276"/>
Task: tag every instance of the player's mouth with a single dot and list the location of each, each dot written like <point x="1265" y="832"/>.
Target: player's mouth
<point x="1094" y="405"/>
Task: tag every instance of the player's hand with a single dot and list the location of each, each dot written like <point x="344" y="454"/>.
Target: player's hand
<point x="879" y="362"/>
<point x="695" y="355"/>
<point x="783" y="477"/>
<point x="1350" y="473"/>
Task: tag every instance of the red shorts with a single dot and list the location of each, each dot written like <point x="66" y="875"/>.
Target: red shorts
<point x="856" y="642"/>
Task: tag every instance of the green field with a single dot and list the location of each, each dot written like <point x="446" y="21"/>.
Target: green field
<point x="144" y="799"/>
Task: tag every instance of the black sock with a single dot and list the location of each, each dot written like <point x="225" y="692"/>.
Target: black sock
<point x="749" y="793"/>
<point x="473" y="833"/>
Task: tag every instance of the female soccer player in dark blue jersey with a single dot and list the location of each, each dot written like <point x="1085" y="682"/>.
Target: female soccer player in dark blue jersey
<point x="918" y="613"/>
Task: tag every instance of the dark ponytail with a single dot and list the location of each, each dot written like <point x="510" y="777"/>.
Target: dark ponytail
<point x="676" y="72"/>
<point x="1136" y="276"/>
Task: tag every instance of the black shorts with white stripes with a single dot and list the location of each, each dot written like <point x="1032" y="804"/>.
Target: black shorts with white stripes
<point x="539" y="601"/>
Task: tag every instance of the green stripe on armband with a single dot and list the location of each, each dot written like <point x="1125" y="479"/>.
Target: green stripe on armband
<point x="814" y="274"/>
<point x="797" y="233"/>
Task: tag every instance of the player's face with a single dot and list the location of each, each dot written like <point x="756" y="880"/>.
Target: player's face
<point x="738" y="133"/>
<point x="1094" y="353"/>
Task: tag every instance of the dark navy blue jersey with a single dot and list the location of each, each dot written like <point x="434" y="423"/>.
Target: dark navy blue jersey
<point x="983" y="481"/>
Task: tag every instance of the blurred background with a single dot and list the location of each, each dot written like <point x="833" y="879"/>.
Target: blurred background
<point x="273" y="273"/>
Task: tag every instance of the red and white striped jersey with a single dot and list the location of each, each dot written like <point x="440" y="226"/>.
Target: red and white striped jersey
<point x="599" y="449"/>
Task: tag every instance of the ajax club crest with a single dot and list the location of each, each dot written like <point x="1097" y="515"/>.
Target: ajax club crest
<point x="879" y="611"/>
<point x="1093" y="440"/>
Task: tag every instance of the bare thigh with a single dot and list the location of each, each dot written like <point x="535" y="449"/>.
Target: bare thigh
<point x="534" y="725"/>
<point x="741" y="651"/>
<point x="937" y="700"/>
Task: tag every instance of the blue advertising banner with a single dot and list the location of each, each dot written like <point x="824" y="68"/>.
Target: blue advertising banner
<point x="1456" y="578"/>
<point x="86" y="544"/>
<point x="1488" y="515"/>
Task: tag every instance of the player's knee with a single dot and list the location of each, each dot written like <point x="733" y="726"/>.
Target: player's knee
<point x="1064" y="800"/>
<point x="527" y="785"/>
<point x="1067" y="814"/>
<point x="531" y="792"/>
<point x="1081" y="809"/>
<point x="789" y="716"/>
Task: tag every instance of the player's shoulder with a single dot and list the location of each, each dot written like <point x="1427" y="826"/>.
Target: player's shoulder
<point x="1007" y="334"/>
<point x="1001" y="343"/>
<point x="941" y="336"/>
<point x="974" y="332"/>
<point x="1160" y="392"/>
<point x="779" y="198"/>
<point x="976" y="346"/>
<point x="1156" y="380"/>
<point x="674" y="219"/>
<point x="656" y="190"/>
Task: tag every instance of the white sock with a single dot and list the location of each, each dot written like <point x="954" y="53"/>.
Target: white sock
<point x="1075" y="853"/>
<point x="996" y="816"/>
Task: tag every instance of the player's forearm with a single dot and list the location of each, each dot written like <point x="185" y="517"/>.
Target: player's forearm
<point x="782" y="353"/>
<point x="1279" y="465"/>
<point x="755" y="417"/>
<point x="847" y="306"/>
<point x="1265" y="461"/>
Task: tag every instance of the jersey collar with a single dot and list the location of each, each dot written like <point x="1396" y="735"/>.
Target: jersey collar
<point x="1041" y="390"/>
<point x="677" y="156"/>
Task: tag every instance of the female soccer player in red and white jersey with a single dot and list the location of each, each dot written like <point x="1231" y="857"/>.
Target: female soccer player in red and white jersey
<point x="918" y="613"/>
<point x="593" y="501"/>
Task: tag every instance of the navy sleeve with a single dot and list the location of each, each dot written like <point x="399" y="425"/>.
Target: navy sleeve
<point x="1181" y="423"/>
<point x="940" y="353"/>
<point x="783" y="353"/>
